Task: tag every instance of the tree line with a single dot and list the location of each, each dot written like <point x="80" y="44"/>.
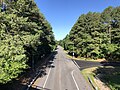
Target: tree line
<point x="95" y="35"/>
<point x="25" y="37"/>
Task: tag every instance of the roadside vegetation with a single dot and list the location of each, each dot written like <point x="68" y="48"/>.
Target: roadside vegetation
<point x="88" y="73"/>
<point x="95" y="35"/>
<point x="108" y="75"/>
<point x="25" y="37"/>
<point x="82" y="58"/>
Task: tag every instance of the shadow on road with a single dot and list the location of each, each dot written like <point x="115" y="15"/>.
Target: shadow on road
<point x="109" y="73"/>
<point x="48" y="64"/>
<point x="38" y="88"/>
<point x="114" y="64"/>
<point x="12" y="86"/>
<point x="88" y="64"/>
<point x="22" y="82"/>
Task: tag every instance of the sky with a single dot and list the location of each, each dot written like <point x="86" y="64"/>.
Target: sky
<point x="62" y="14"/>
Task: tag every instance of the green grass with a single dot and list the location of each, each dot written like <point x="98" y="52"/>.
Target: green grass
<point x="110" y="76"/>
<point x="82" y="58"/>
<point x="89" y="73"/>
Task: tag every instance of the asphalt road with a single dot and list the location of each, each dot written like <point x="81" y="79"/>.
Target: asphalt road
<point x="87" y="64"/>
<point x="62" y="75"/>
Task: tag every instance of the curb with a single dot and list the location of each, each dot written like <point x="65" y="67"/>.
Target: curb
<point x="33" y="81"/>
<point x="90" y="81"/>
<point x="76" y="64"/>
<point x="95" y="88"/>
<point x="38" y="73"/>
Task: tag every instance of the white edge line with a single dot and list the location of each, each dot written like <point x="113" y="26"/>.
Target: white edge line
<point x="46" y="78"/>
<point x="74" y="80"/>
<point x="76" y="64"/>
<point x="33" y="81"/>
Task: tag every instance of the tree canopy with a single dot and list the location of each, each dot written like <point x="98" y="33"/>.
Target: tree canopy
<point x="96" y="35"/>
<point x="25" y="36"/>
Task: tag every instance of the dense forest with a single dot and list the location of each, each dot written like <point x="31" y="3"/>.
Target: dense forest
<point x="95" y="35"/>
<point x="25" y="37"/>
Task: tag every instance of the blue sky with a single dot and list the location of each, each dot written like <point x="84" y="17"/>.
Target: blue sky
<point x="62" y="14"/>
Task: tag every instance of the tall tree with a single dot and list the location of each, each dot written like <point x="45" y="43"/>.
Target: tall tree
<point x="23" y="33"/>
<point x="96" y="35"/>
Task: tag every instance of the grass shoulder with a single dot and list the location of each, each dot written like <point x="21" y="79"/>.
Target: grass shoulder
<point x="82" y="58"/>
<point x="104" y="78"/>
<point x="88" y="74"/>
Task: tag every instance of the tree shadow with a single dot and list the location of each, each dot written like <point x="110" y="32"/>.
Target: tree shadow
<point x="114" y="64"/>
<point x="22" y="82"/>
<point x="34" y="87"/>
<point x="18" y="86"/>
<point x="14" y="85"/>
<point x="87" y="64"/>
<point x="48" y="64"/>
<point x="110" y="75"/>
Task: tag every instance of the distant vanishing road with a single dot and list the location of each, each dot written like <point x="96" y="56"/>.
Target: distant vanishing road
<point x="64" y="76"/>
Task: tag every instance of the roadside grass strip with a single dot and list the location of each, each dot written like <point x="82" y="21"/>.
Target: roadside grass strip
<point x="108" y="75"/>
<point x="82" y="58"/>
<point x="89" y="76"/>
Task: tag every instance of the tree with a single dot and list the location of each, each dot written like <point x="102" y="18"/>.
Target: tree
<point x="96" y="35"/>
<point x="25" y="37"/>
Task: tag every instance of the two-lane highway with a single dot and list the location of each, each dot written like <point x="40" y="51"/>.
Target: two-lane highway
<point x="64" y="76"/>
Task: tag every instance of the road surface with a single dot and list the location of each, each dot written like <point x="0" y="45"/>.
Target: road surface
<point x="88" y="64"/>
<point x="65" y="75"/>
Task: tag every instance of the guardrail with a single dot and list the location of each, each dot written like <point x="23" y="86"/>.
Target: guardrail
<point x="95" y="88"/>
<point x="34" y="79"/>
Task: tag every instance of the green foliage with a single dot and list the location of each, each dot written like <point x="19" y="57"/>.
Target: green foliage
<point x="12" y="59"/>
<point x="25" y="35"/>
<point x="96" y="35"/>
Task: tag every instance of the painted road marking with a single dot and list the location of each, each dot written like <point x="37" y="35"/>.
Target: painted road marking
<point x="46" y="78"/>
<point x="74" y="80"/>
<point x="76" y="64"/>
